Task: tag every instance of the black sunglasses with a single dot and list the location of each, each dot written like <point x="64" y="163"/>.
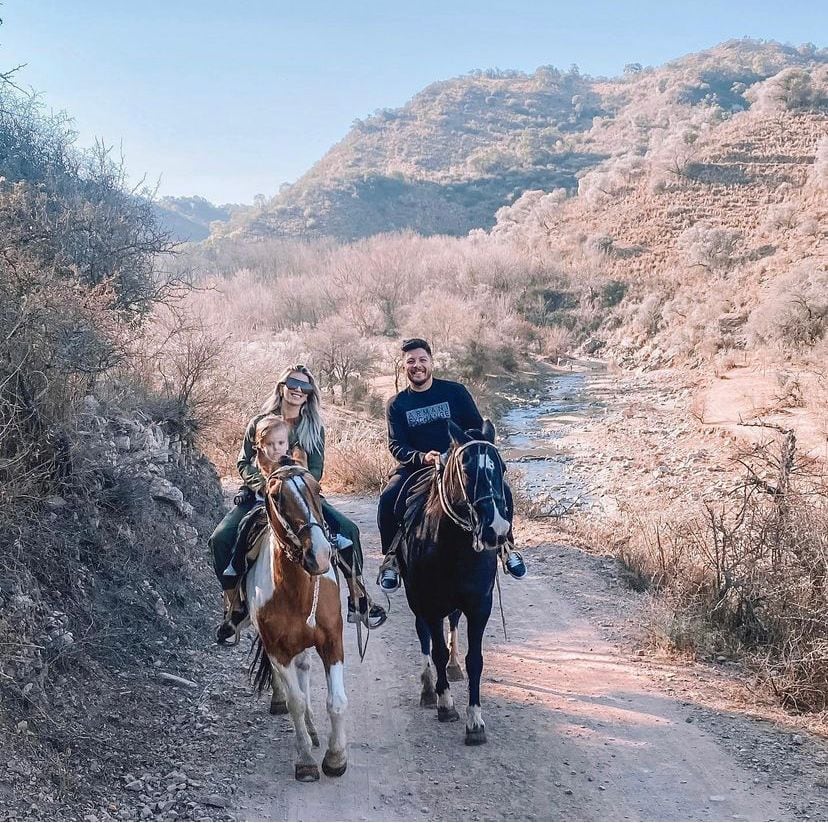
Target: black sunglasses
<point x="299" y="385"/>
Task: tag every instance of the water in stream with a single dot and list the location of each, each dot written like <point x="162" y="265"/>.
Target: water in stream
<point x="529" y="433"/>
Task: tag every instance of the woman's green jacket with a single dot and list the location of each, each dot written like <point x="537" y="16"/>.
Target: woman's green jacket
<point x="246" y="461"/>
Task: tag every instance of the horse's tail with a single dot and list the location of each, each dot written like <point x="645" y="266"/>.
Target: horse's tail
<point x="260" y="671"/>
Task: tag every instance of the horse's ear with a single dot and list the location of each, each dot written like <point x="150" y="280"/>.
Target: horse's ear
<point x="273" y="485"/>
<point x="457" y="434"/>
<point x="286" y="460"/>
<point x="488" y="430"/>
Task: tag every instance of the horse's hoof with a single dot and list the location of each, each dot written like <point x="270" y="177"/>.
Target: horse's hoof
<point x="428" y="699"/>
<point x="278" y="707"/>
<point x="332" y="770"/>
<point x="475" y="737"/>
<point x="447" y="714"/>
<point x="454" y="672"/>
<point x="307" y="772"/>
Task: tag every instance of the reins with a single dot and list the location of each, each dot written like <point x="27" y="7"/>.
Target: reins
<point x="290" y="549"/>
<point x="454" y="468"/>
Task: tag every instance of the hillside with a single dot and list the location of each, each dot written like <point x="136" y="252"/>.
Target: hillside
<point x="462" y="148"/>
<point x="188" y="219"/>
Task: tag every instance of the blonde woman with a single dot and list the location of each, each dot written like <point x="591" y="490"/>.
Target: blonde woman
<point x="296" y="399"/>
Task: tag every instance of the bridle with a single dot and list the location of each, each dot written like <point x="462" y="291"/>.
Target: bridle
<point x="293" y="546"/>
<point x="453" y="470"/>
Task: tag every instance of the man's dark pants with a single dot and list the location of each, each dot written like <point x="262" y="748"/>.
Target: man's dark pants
<point x="387" y="510"/>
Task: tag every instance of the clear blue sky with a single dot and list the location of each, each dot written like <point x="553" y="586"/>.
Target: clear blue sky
<point x="228" y="99"/>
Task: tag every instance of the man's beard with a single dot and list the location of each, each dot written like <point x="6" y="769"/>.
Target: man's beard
<point x="419" y="378"/>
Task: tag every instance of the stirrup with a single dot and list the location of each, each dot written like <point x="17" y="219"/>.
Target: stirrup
<point x="370" y="614"/>
<point x="230" y="627"/>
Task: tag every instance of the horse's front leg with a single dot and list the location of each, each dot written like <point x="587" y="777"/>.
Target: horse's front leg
<point x="336" y="758"/>
<point x="475" y="728"/>
<point x="303" y="663"/>
<point x="306" y="769"/>
<point x="440" y="656"/>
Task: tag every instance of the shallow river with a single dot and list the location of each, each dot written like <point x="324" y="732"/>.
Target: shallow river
<point x="530" y="433"/>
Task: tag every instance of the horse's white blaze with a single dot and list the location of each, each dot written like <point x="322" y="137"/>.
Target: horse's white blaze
<point x="485" y="462"/>
<point x="337" y="703"/>
<point x="474" y="717"/>
<point x="320" y="547"/>
<point x="500" y="525"/>
<point x="445" y="700"/>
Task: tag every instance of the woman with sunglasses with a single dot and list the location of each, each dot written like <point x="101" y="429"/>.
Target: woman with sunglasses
<point x="297" y="400"/>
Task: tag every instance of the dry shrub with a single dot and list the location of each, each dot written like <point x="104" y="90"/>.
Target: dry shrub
<point x="747" y="574"/>
<point x="357" y="460"/>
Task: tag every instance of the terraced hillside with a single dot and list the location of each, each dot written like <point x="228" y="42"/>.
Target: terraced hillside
<point x="462" y="148"/>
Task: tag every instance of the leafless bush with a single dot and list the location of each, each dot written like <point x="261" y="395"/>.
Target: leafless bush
<point x="745" y="574"/>
<point x="357" y="459"/>
<point x="341" y="357"/>
<point x="791" y="89"/>
<point x="794" y="313"/>
<point x="711" y="247"/>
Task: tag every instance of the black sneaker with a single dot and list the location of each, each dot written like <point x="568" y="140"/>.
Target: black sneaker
<point x="373" y="618"/>
<point x="514" y="565"/>
<point x="230" y="627"/>
<point x="389" y="580"/>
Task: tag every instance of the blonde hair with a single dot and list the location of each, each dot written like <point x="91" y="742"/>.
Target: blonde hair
<point x="309" y="429"/>
<point x="266" y="425"/>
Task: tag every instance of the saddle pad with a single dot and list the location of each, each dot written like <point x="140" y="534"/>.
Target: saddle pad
<point x="252" y="529"/>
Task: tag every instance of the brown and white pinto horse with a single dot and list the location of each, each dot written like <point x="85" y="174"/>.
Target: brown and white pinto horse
<point x="294" y="604"/>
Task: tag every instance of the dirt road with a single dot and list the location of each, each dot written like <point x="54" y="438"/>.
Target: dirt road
<point x="579" y="726"/>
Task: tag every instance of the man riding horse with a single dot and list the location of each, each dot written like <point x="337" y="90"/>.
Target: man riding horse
<point x="418" y="434"/>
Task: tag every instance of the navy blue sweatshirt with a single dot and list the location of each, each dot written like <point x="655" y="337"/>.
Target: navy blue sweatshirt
<point x="418" y="420"/>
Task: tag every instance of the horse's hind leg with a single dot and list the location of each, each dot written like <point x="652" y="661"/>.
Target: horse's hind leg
<point x="278" y="703"/>
<point x="454" y="670"/>
<point x="306" y="769"/>
<point x="303" y="662"/>
<point x="428" y="697"/>
<point x="475" y="728"/>
<point x="440" y="656"/>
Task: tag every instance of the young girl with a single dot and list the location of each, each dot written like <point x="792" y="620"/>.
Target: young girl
<point x="271" y="444"/>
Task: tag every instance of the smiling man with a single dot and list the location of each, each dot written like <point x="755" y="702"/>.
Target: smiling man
<point x="418" y="434"/>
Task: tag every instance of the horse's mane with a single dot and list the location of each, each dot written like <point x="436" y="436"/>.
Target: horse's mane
<point x="423" y="512"/>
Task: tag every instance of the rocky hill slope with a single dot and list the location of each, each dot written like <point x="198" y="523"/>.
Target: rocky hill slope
<point x="462" y="148"/>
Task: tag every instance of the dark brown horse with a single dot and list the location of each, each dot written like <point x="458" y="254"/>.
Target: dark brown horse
<point x="294" y="606"/>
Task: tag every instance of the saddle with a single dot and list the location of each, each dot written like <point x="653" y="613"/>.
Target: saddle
<point x="251" y="535"/>
<point x="252" y="528"/>
<point x="409" y="508"/>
